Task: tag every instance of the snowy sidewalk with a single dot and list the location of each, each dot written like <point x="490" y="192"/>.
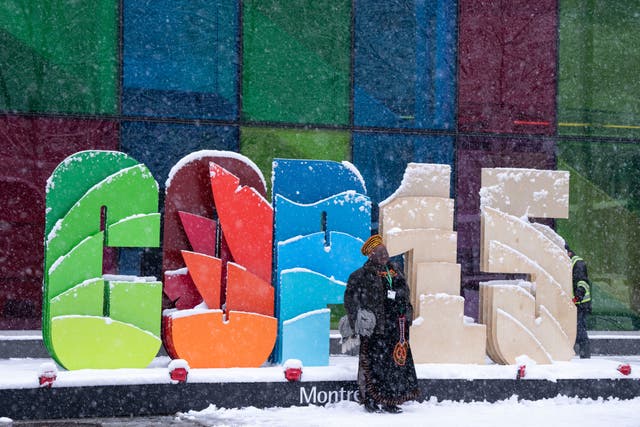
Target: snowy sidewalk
<point x="23" y="373"/>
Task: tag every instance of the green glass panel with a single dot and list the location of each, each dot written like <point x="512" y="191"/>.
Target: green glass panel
<point x="87" y="298"/>
<point x="614" y="168"/>
<point x="137" y="231"/>
<point x="296" y="61"/>
<point x="599" y="88"/>
<point x="137" y="303"/>
<point x="262" y="145"/>
<point x="604" y="226"/>
<point x="59" y="56"/>
<point x="87" y="342"/>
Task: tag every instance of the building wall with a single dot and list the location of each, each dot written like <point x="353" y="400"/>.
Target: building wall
<point x="478" y="83"/>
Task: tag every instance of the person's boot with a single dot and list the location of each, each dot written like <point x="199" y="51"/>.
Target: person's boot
<point x="370" y="405"/>
<point x="392" y="409"/>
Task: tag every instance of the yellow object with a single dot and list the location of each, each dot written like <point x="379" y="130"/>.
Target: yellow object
<point x="371" y="243"/>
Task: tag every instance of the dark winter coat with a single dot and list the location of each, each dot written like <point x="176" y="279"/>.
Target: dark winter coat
<point x="384" y="376"/>
<point x="367" y="289"/>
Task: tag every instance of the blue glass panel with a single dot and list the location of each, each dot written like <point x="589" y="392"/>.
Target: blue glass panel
<point x="383" y="158"/>
<point x="160" y="145"/>
<point x="405" y="66"/>
<point x="181" y="58"/>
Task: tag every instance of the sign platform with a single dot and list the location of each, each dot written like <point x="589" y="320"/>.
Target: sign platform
<point x="168" y="399"/>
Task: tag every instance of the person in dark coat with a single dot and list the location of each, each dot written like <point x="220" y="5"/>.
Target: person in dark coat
<point x="379" y="311"/>
<point x="582" y="300"/>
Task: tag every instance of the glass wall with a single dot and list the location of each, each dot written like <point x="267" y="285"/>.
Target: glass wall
<point x="507" y="57"/>
<point x="604" y="225"/>
<point x="180" y="59"/>
<point x="550" y="84"/>
<point x="599" y="89"/>
<point x="598" y="126"/>
<point x="59" y="56"/>
<point x="296" y="61"/>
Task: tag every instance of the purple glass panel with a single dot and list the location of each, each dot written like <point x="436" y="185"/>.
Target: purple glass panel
<point x="473" y="154"/>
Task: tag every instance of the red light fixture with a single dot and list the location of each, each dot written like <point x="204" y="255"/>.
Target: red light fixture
<point x="178" y="371"/>
<point x="624" y="369"/>
<point x="521" y="372"/>
<point x="292" y="370"/>
<point x="47" y="374"/>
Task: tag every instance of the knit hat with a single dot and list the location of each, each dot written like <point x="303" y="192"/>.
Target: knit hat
<point x="371" y="243"/>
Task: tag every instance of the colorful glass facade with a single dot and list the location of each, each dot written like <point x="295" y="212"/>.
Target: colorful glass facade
<point x="549" y="84"/>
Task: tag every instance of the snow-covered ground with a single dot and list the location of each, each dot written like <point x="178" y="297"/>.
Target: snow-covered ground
<point x="560" y="411"/>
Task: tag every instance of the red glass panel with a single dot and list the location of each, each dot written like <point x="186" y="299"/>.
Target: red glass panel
<point x="32" y="148"/>
<point x="507" y="66"/>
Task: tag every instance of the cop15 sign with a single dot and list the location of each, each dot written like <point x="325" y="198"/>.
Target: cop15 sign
<point x="249" y="279"/>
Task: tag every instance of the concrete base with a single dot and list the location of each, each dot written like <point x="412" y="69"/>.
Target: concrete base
<point x="167" y="399"/>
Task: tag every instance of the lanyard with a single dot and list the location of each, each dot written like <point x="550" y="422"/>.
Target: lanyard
<point x="389" y="278"/>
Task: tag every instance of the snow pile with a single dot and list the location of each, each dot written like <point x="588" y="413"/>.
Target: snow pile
<point x="559" y="411"/>
<point x="292" y="364"/>
<point x="423" y="179"/>
<point x="198" y="155"/>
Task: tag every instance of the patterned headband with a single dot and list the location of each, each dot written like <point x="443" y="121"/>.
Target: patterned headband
<point x="371" y="243"/>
